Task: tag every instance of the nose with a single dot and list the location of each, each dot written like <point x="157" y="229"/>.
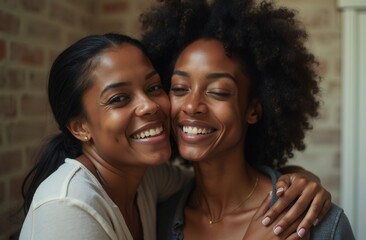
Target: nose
<point x="194" y="104"/>
<point x="146" y="106"/>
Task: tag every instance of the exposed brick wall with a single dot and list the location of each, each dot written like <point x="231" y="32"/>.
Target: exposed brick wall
<point x="32" y="33"/>
<point x="322" y="156"/>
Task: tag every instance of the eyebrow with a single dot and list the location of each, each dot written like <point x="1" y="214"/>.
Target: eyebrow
<point x="181" y="73"/>
<point x="208" y="76"/>
<point x="114" y="85"/>
<point x="220" y="75"/>
<point x="151" y="74"/>
<point x="122" y="84"/>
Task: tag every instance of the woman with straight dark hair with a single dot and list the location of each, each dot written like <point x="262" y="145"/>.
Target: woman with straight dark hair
<point x="113" y="116"/>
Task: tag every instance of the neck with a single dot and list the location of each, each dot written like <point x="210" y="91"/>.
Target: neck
<point x="222" y="185"/>
<point x="120" y="183"/>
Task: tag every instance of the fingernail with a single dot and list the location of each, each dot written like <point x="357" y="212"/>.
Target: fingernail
<point x="277" y="230"/>
<point x="266" y="221"/>
<point x="280" y="190"/>
<point x="316" y="222"/>
<point x="301" y="232"/>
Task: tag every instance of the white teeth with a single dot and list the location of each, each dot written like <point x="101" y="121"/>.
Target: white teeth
<point x="196" y="131"/>
<point x="148" y="133"/>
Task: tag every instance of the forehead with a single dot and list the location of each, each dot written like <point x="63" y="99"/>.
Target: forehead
<point x="124" y="56"/>
<point x="121" y="63"/>
<point x="211" y="52"/>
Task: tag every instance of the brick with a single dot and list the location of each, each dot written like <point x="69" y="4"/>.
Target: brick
<point x="36" y="6"/>
<point x="10" y="223"/>
<point x="325" y="137"/>
<point x="318" y="19"/>
<point x="61" y="13"/>
<point x="8" y="106"/>
<point x="34" y="105"/>
<point x="29" y="55"/>
<point x="87" y="23"/>
<point x="10" y="161"/>
<point x="52" y="55"/>
<point x="71" y="38"/>
<point x="38" y="81"/>
<point x="8" y="4"/>
<point x="1" y="135"/>
<point x="323" y="68"/>
<point x="114" y="7"/>
<point x="43" y="30"/>
<point x="25" y="131"/>
<point x="12" y="79"/>
<point x="2" y="49"/>
<point x="2" y="192"/>
<point x="326" y="39"/>
<point x="15" y="188"/>
<point x="31" y="153"/>
<point x="111" y="26"/>
<point x="84" y="5"/>
<point x="9" y="23"/>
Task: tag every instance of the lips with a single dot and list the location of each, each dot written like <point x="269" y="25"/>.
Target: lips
<point x="152" y="132"/>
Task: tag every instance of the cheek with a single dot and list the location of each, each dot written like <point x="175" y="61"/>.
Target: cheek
<point x="175" y="106"/>
<point x="164" y="104"/>
<point x="229" y="115"/>
<point x="115" y="123"/>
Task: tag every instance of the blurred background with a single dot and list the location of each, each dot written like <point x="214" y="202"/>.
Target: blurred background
<point x="33" y="32"/>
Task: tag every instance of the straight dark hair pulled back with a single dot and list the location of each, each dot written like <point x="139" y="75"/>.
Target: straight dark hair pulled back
<point x="69" y="78"/>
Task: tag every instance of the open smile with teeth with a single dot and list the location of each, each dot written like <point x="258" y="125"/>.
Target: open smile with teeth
<point x="148" y="133"/>
<point x="196" y="130"/>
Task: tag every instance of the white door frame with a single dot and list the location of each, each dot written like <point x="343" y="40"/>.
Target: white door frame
<point x="353" y="132"/>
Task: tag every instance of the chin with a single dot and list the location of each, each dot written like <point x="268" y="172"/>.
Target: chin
<point x="193" y="154"/>
<point x="158" y="158"/>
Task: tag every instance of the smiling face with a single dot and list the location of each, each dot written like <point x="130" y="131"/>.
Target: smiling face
<point x="127" y="110"/>
<point x="209" y="98"/>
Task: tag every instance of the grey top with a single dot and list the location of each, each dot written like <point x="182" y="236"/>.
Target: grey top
<point x="335" y="224"/>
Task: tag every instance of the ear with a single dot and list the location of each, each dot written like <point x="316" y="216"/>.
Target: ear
<point x="254" y="112"/>
<point x="79" y="128"/>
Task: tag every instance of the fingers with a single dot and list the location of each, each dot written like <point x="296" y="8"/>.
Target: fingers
<point x="290" y="231"/>
<point x="283" y="184"/>
<point x="314" y="198"/>
<point x="283" y="202"/>
<point x="318" y="208"/>
<point x="293" y="236"/>
<point x="324" y="210"/>
<point x="294" y="212"/>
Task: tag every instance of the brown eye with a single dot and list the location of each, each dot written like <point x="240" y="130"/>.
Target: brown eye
<point x="155" y="89"/>
<point x="118" y="99"/>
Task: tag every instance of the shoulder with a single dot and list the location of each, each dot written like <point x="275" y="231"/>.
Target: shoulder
<point x="335" y="225"/>
<point x="71" y="182"/>
<point x="170" y="212"/>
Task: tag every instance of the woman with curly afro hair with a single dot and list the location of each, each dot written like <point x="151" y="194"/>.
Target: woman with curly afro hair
<point x="243" y="92"/>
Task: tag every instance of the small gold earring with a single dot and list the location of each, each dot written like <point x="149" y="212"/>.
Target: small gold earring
<point x="86" y="138"/>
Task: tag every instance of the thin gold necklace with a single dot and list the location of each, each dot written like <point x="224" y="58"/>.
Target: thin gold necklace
<point x="213" y="221"/>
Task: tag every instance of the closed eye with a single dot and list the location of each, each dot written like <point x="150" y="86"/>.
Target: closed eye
<point x="179" y="91"/>
<point x="220" y="95"/>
